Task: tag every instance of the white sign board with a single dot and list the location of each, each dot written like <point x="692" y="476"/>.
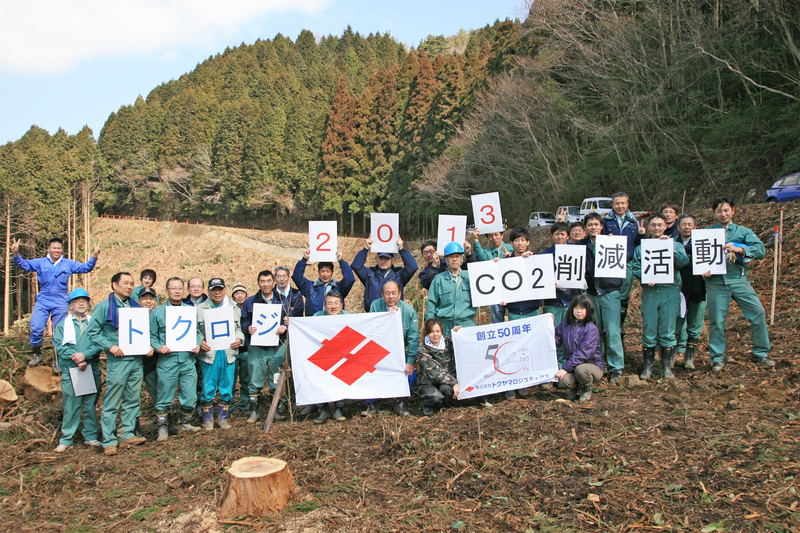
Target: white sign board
<point x="708" y="251"/>
<point x="610" y="256"/>
<point x="541" y="277"/>
<point x="484" y="278"/>
<point x="323" y="241"/>
<point x="452" y="228"/>
<point x="384" y="229"/>
<point x="220" y="328"/>
<point x="486" y="210"/>
<point x="505" y="356"/>
<point x="181" y="327"/>
<point x="82" y="381"/>
<point x="134" y="330"/>
<point x="513" y="281"/>
<point x="570" y="266"/>
<point x="266" y="319"/>
<point x="657" y="261"/>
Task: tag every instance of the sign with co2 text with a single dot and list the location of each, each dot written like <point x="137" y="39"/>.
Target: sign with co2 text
<point x="322" y="239"/>
<point x="486" y="210"/>
<point x="384" y="229"/>
<point x="515" y="279"/>
<point x="452" y="228"/>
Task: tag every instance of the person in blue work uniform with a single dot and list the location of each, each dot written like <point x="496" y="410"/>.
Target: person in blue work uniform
<point x="314" y="291"/>
<point x="53" y="272"/>
<point x="374" y="277"/>
<point x="621" y="221"/>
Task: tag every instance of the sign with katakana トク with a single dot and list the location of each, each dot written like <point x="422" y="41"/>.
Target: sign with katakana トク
<point x="708" y="251"/>
<point x="134" y="330"/>
<point x="181" y="327"/>
<point x="506" y="356"/>
<point x="658" y="261"/>
<point x="266" y="319"/>
<point x="220" y="328"/>
<point x="570" y="265"/>
<point x="611" y="256"/>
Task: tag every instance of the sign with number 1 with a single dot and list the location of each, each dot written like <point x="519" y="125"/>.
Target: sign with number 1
<point x="384" y="230"/>
<point x="322" y="240"/>
<point x="486" y="210"/>
<point x="452" y="228"/>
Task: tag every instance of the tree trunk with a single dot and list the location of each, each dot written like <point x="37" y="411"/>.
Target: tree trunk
<point x="41" y="385"/>
<point x="255" y="486"/>
<point x="352" y="223"/>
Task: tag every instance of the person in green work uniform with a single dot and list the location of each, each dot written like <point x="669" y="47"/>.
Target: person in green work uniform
<point x="175" y="369"/>
<point x="661" y="303"/>
<point x="449" y="298"/>
<point x="497" y="249"/>
<point x="123" y="396"/>
<point x="67" y="333"/>
<point x="334" y="305"/>
<point x="742" y="246"/>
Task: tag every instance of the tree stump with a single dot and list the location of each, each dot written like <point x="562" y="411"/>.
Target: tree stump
<point x="255" y="486"/>
<point x="7" y="394"/>
<point x="41" y="385"/>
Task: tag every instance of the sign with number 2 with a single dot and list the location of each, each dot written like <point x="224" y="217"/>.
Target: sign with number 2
<point x="322" y="240"/>
<point x="486" y="210"/>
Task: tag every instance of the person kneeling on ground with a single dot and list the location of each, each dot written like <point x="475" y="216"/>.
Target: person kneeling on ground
<point x="437" y="368"/>
<point x="581" y="341"/>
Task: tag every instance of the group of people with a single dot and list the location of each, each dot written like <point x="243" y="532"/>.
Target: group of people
<point x="588" y="333"/>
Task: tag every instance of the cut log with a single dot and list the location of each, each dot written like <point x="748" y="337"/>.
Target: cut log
<point x="41" y="385"/>
<point x="255" y="486"/>
<point x="7" y="394"/>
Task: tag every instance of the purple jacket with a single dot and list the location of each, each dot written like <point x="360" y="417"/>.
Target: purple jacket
<point x="581" y="344"/>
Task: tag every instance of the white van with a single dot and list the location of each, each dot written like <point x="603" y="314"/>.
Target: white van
<point x="596" y="204"/>
<point x="573" y="213"/>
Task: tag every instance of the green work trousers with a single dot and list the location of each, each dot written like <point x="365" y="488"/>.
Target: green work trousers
<point x="719" y="293"/>
<point x="559" y="314"/>
<point x="123" y="397"/>
<point x="176" y="370"/>
<point x="606" y="316"/>
<point x="264" y="362"/>
<point x="75" y="405"/>
<point x="691" y="325"/>
<point x="151" y="384"/>
<point x="627" y="285"/>
<point x="660" y="307"/>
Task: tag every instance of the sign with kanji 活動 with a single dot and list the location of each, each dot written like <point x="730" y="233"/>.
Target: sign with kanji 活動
<point x="658" y="261"/>
<point x="708" y="251"/>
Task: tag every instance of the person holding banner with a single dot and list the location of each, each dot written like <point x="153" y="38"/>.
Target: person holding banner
<point x="123" y="395"/>
<point x="581" y="341"/>
<point x="391" y="302"/>
<point x="314" y="291"/>
<point x="437" y="381"/>
<point x="661" y="302"/>
<point x="742" y="246"/>
<point x="605" y="296"/>
<point x="334" y="305"/>
<point x="449" y="298"/>
<point x="374" y="277"/>
<point x="175" y="368"/>
<point x="689" y="327"/>
<point x="65" y="339"/>
<point x="263" y="362"/>
<point x="218" y="365"/>
<point x="497" y="249"/>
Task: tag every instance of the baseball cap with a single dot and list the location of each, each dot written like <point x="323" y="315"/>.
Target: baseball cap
<point x="385" y="254"/>
<point x="216" y="283"/>
<point x="148" y="292"/>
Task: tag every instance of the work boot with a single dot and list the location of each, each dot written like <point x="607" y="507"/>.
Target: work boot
<point x="613" y="378"/>
<point x="37" y="356"/>
<point x="56" y="365"/>
<point x="370" y="410"/>
<point x="763" y="361"/>
<point x="524" y="392"/>
<point x="573" y="392"/>
<point x="401" y="410"/>
<point x="208" y="417"/>
<point x="137" y="428"/>
<point x="648" y="360"/>
<point x="586" y="392"/>
<point x="667" y="358"/>
<point x="163" y="432"/>
<point x="222" y="416"/>
<point x="184" y="422"/>
<point x="510" y="395"/>
<point x="253" y="410"/>
<point x="688" y="358"/>
<point x="718" y="366"/>
<point x="308" y="409"/>
<point x="338" y="416"/>
<point x="323" y="417"/>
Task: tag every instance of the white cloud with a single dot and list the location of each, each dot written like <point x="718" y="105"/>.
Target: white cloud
<point x="47" y="36"/>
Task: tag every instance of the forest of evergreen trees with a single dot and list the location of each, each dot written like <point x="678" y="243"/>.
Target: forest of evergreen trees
<point x="659" y="98"/>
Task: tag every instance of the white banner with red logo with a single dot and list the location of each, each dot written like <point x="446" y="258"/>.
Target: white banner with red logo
<point x="505" y="356"/>
<point x="348" y="357"/>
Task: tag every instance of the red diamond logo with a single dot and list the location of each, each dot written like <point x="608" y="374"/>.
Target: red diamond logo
<point x="341" y="347"/>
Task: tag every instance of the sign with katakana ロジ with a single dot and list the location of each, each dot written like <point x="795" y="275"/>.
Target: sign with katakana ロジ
<point x="266" y="319"/>
<point x="134" y="330"/>
<point x="708" y="251"/>
<point x="358" y="356"/>
<point x="611" y="256"/>
<point x="181" y="327"/>
<point x="570" y="266"/>
<point x="658" y="261"/>
<point x="505" y="356"/>
<point x="384" y="229"/>
<point x="220" y="328"/>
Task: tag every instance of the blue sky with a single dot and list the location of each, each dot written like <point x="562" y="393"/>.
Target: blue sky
<point x="71" y="63"/>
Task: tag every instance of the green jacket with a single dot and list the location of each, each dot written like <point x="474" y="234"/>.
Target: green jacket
<point x="231" y="353"/>
<point x="410" y="326"/>
<point x="323" y="312"/>
<point x="681" y="260"/>
<point x="753" y="249"/>
<point x="66" y="351"/>
<point x="448" y="299"/>
<point x="158" y="329"/>
<point x="491" y="253"/>
<point x="100" y="335"/>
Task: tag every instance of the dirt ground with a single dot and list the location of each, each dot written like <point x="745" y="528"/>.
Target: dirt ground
<point x="710" y="453"/>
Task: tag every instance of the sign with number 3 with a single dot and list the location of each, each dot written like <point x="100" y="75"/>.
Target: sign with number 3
<point x="486" y="210"/>
<point x="322" y="240"/>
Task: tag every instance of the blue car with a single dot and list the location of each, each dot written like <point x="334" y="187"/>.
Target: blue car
<point x="786" y="189"/>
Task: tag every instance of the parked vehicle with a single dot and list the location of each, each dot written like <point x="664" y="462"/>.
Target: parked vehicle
<point x="786" y="189"/>
<point x="573" y="213"/>
<point x="540" y="219"/>
<point x="596" y="204"/>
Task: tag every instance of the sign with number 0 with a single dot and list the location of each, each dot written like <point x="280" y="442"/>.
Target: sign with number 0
<point x="486" y="210"/>
<point x="322" y="239"/>
<point x="384" y="229"/>
<point x="452" y="228"/>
